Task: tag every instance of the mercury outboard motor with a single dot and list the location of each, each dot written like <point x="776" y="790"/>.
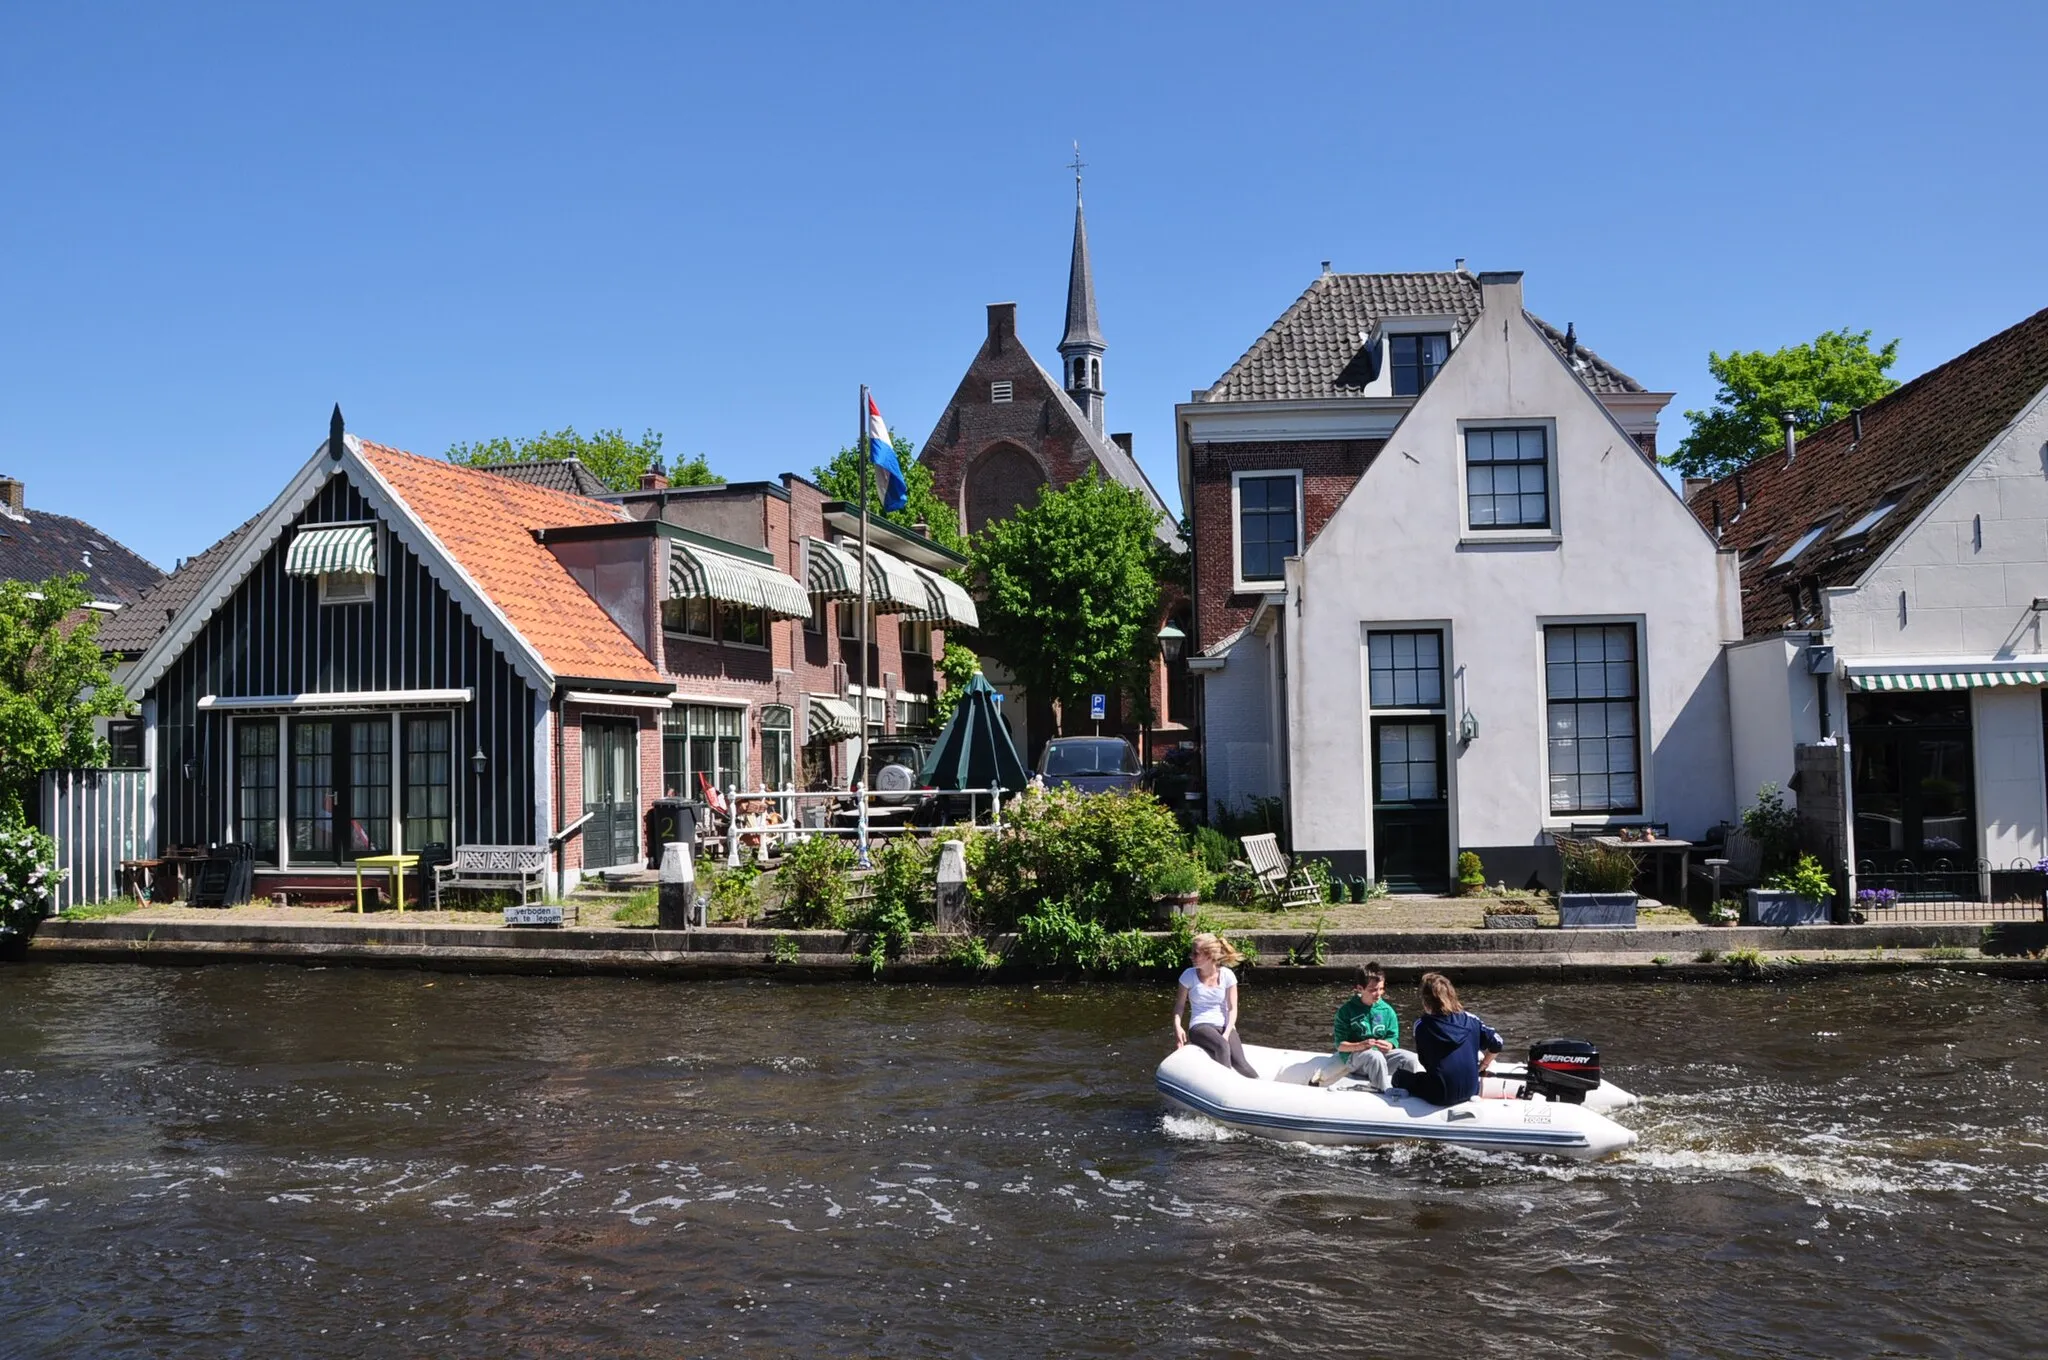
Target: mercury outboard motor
<point x="1562" y="1069"/>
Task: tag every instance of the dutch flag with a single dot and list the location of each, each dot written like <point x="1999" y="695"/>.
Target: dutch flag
<point x="882" y="453"/>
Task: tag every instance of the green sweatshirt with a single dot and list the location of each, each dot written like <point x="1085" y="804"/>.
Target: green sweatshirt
<point x="1357" y="1022"/>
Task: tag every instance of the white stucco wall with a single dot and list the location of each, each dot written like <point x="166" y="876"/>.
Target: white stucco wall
<point x="1626" y="550"/>
<point x="1237" y="732"/>
<point x="2011" y="809"/>
<point x="1961" y="581"/>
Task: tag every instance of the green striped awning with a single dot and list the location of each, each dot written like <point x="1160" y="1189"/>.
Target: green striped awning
<point x="828" y="720"/>
<point x="949" y="603"/>
<point x="348" y="549"/>
<point x="829" y="571"/>
<point x="1930" y="680"/>
<point x="700" y="573"/>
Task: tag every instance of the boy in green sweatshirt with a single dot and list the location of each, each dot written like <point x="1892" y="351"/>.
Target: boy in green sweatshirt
<point x="1368" y="1036"/>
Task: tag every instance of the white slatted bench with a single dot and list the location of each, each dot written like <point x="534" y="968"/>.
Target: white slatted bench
<point x="521" y="869"/>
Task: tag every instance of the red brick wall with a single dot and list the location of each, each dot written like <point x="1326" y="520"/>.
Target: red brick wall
<point x="1329" y="469"/>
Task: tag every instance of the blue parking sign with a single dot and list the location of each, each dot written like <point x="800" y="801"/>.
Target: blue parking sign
<point x="1098" y="707"/>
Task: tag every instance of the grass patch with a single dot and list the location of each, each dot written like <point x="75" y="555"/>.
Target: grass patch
<point x="100" y="911"/>
<point x="643" y="908"/>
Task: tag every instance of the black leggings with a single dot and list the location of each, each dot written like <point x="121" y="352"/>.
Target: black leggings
<point x="1228" y="1051"/>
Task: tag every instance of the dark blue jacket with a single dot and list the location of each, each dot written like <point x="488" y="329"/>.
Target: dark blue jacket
<point x="1449" y="1047"/>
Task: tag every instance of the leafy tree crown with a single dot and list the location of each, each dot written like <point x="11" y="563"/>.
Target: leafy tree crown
<point x="1818" y="382"/>
<point x="611" y="457"/>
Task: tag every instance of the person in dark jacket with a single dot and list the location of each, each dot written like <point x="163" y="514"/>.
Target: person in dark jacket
<point x="1455" y="1046"/>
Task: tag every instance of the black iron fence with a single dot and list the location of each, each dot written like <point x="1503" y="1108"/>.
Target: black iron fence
<point x="1950" y="890"/>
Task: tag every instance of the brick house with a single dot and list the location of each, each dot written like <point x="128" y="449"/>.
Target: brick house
<point x="1010" y="430"/>
<point x="1894" y="573"/>
<point x="1409" y="498"/>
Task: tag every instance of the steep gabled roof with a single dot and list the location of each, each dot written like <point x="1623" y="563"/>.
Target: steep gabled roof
<point x="1915" y="443"/>
<point x="38" y="545"/>
<point x="1305" y="354"/>
<point x="557" y="474"/>
<point x="486" y="523"/>
<point x="135" y="627"/>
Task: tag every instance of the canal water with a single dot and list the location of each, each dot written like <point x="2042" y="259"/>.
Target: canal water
<point x="277" y="1161"/>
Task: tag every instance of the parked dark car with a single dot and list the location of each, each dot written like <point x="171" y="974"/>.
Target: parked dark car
<point x="1090" y="764"/>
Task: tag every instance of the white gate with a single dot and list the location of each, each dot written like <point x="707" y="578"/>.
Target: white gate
<point x="98" y="818"/>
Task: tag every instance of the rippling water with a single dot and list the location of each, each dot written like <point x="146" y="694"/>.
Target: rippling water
<point x="275" y="1161"/>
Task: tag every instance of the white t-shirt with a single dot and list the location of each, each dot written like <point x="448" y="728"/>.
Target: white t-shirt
<point x="1208" y="1003"/>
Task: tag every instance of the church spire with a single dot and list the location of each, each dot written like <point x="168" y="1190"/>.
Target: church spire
<point x="1081" y="349"/>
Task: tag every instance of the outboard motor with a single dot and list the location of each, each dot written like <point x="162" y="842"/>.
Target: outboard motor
<point x="1562" y="1069"/>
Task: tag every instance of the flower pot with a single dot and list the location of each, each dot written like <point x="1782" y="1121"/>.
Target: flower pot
<point x="1596" y="911"/>
<point x="1769" y="907"/>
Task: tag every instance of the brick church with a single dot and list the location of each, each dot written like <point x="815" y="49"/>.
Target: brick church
<point x="1010" y="430"/>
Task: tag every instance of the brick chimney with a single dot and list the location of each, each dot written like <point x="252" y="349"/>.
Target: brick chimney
<point x="655" y="478"/>
<point x="12" y="495"/>
<point x="1002" y="324"/>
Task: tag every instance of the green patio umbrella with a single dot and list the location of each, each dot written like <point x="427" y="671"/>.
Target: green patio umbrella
<point x="975" y="750"/>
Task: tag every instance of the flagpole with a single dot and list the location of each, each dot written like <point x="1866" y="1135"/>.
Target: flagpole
<point x="860" y="447"/>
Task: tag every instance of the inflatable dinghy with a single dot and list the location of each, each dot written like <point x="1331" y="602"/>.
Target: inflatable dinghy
<point x="1562" y="1113"/>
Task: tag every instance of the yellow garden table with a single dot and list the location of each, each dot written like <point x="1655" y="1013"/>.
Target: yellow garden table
<point x="396" y="864"/>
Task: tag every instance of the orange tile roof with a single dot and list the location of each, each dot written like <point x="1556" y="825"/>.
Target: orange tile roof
<point x="486" y="522"/>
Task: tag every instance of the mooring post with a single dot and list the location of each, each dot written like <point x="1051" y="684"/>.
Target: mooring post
<point x="950" y="912"/>
<point x="676" y="904"/>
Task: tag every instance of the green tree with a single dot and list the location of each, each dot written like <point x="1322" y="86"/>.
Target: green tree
<point x="53" y="682"/>
<point x="958" y="666"/>
<point x="1072" y="590"/>
<point x="611" y="457"/>
<point x="840" y="479"/>
<point x="1819" y="382"/>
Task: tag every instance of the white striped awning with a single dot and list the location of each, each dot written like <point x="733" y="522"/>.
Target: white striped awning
<point x="949" y="602"/>
<point x="1937" y="680"/>
<point x="347" y="548"/>
<point x="828" y="720"/>
<point x="699" y="573"/>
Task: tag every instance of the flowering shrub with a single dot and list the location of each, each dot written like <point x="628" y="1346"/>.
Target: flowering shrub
<point x="28" y="877"/>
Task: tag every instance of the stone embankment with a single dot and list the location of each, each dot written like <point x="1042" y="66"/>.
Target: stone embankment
<point x="1474" y="955"/>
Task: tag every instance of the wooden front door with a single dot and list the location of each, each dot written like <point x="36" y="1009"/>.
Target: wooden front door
<point x="611" y="793"/>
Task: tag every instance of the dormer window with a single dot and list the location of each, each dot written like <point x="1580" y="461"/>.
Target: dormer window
<point x="1416" y="359"/>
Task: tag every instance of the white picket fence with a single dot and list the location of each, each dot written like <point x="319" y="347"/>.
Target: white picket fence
<point x="98" y="818"/>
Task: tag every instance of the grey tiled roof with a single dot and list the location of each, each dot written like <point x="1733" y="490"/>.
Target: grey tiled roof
<point x="134" y="628"/>
<point x="556" y="474"/>
<point x="1305" y="353"/>
<point x="40" y="545"/>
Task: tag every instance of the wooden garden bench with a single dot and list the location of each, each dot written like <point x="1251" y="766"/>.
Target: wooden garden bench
<point x="1287" y="887"/>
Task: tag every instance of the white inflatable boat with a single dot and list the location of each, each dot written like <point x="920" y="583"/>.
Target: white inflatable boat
<point x="1566" y="1116"/>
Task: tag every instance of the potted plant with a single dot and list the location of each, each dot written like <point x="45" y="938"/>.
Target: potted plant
<point x="1803" y="895"/>
<point x="1599" y="887"/>
<point x="1471" y="874"/>
<point x="28" y="880"/>
<point x="1178" y="889"/>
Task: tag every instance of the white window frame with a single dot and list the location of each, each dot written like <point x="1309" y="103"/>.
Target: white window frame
<point x="1645" y="784"/>
<point x="1471" y="535"/>
<point x="369" y="595"/>
<point x="1238" y="584"/>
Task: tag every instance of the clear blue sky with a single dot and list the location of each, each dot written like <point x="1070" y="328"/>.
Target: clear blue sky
<point x="469" y="220"/>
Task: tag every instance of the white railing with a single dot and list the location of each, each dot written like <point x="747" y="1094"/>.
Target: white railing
<point x="849" y="813"/>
